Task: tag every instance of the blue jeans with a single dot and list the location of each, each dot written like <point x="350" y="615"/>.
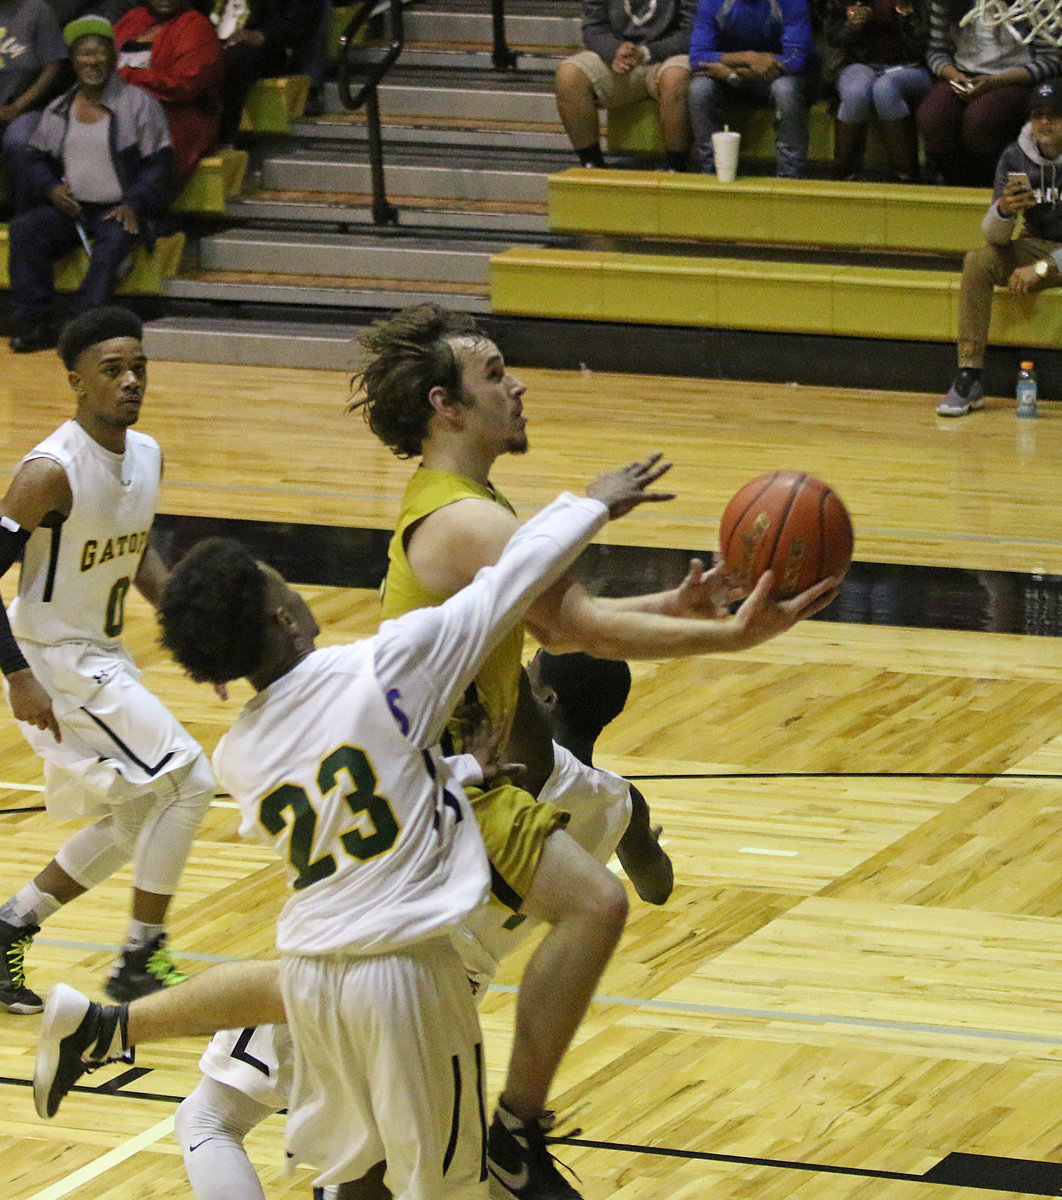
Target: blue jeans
<point x="788" y="95"/>
<point x="868" y="89"/>
<point x="40" y="235"/>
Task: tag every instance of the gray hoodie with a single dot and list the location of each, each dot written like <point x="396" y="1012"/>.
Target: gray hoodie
<point x="662" y="25"/>
<point x="1044" y="219"/>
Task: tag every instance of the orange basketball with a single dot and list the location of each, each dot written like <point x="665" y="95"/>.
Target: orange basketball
<point x="788" y="522"/>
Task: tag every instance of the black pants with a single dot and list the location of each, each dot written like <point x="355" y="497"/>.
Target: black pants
<point x="244" y="66"/>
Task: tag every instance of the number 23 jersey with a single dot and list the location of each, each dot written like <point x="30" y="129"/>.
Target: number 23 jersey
<point x="76" y="575"/>
<point x="381" y="852"/>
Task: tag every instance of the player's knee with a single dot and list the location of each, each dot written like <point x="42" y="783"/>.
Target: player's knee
<point x="603" y="900"/>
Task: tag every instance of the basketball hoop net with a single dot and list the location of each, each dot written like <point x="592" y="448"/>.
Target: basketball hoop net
<point x="1044" y="17"/>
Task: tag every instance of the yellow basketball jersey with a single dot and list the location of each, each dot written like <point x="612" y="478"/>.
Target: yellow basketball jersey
<point x="429" y="490"/>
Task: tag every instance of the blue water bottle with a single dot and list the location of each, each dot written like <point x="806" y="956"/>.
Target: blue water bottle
<point x="1026" y="391"/>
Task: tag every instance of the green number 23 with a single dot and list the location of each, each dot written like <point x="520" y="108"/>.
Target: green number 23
<point x="359" y="792"/>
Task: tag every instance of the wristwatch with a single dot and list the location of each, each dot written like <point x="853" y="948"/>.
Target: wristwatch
<point x="1043" y="267"/>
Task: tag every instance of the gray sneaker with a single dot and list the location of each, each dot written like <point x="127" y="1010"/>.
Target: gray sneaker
<point x="954" y="405"/>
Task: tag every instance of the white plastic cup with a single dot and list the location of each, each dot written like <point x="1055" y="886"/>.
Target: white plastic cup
<point x="725" y="145"/>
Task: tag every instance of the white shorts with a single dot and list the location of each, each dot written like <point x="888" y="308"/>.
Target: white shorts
<point x="388" y="1065"/>
<point x="118" y="738"/>
<point x="256" y="1062"/>
<point x="600" y="806"/>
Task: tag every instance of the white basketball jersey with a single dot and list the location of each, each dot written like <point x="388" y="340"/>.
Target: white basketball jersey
<point x="381" y="852"/>
<point x="76" y="575"/>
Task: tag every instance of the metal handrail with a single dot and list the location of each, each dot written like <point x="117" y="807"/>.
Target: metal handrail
<point x="383" y="212"/>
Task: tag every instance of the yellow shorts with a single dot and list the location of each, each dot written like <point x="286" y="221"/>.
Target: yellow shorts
<point x="514" y="826"/>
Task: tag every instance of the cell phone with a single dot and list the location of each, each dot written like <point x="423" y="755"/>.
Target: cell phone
<point x="957" y="85"/>
<point x="1019" y="177"/>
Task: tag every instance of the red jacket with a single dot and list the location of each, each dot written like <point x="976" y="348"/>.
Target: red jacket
<point x="184" y="74"/>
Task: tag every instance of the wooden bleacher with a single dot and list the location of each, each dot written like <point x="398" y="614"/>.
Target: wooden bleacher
<point x="911" y="217"/>
<point x="833" y="294"/>
<point x="216" y="179"/>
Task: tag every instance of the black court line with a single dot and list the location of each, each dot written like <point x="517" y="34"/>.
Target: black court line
<point x="1030" y="1177"/>
<point x="113" y="1087"/>
<point x="32" y="808"/>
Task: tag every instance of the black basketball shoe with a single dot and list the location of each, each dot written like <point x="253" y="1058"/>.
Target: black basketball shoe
<point x="519" y="1160"/>
<point x="77" y="1035"/>
<point x="143" y="970"/>
<point x="14" y="995"/>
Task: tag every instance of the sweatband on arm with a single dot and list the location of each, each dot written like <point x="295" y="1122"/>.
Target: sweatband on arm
<point x="13" y="539"/>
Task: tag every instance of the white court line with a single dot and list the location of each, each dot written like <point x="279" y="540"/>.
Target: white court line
<point x="104" y="1163"/>
<point x="773" y="853"/>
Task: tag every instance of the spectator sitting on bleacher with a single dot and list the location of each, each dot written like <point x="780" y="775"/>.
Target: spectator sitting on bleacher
<point x="173" y="52"/>
<point x="633" y="50"/>
<point x="100" y="167"/>
<point x="761" y="51"/>
<point x="259" y="38"/>
<point x="32" y="54"/>
<point x="985" y="73"/>
<point x="1028" y="263"/>
<point x="879" y="50"/>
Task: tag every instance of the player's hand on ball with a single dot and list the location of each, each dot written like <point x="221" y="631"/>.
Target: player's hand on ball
<point x="708" y="594"/>
<point x="763" y="616"/>
<point x="624" y="489"/>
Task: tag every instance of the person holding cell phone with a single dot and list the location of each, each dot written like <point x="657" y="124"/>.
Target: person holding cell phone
<point x="1028" y="184"/>
<point x="984" y="74"/>
<point x="878" y="49"/>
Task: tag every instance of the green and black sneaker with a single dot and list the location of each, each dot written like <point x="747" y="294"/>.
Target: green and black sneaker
<point x="14" y="995"/>
<point x="143" y="970"/>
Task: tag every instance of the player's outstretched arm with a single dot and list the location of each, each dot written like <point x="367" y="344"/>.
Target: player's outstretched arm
<point x="568" y="617"/>
<point x="624" y="489"/>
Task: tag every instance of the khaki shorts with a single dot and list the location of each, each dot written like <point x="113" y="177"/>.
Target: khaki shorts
<point x="514" y="826"/>
<point x="617" y="91"/>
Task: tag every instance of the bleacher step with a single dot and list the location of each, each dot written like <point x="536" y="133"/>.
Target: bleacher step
<point x="411" y="174"/>
<point x="251" y="343"/>
<point x="465" y="24"/>
<point x="356" y="256"/>
<point x="482" y="135"/>
<point x="414" y="212"/>
<point x="252" y="288"/>
<point x="468" y="99"/>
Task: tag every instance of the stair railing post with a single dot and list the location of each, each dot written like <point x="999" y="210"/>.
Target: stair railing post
<point x="502" y="57"/>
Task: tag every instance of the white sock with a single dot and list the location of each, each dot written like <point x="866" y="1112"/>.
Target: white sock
<point x="140" y="933"/>
<point x="29" y="906"/>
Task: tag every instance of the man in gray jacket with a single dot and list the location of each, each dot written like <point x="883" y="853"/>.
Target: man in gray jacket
<point x="99" y="173"/>
<point x="1028" y="181"/>
<point x="634" y="49"/>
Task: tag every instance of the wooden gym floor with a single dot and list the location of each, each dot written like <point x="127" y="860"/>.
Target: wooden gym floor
<point x="856" y="989"/>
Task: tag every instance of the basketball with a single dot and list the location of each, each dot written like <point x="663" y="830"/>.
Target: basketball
<point x="788" y="522"/>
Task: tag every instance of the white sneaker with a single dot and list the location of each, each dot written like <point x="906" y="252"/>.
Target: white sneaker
<point x="956" y="405"/>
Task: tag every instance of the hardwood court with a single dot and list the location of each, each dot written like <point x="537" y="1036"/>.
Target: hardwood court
<point x="860" y="972"/>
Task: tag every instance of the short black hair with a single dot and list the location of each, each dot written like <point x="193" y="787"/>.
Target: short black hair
<point x="591" y="692"/>
<point x="95" y="326"/>
<point x="406" y="357"/>
<point x="212" y="613"/>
